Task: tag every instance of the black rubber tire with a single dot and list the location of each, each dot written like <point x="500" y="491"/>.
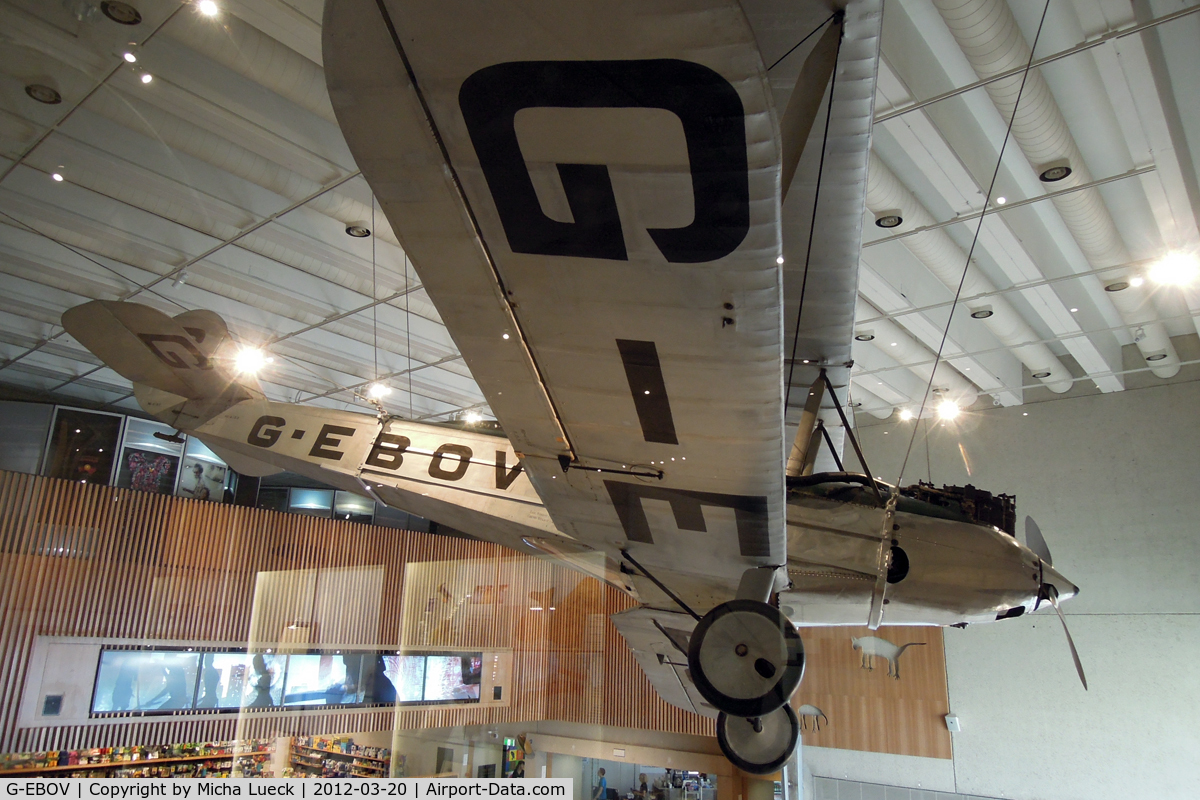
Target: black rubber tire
<point x="740" y="760"/>
<point x="775" y="695"/>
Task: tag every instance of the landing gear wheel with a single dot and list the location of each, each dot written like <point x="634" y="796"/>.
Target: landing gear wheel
<point x="760" y="745"/>
<point x="746" y="658"/>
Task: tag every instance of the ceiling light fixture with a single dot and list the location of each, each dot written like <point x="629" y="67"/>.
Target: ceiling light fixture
<point x="948" y="410"/>
<point x="982" y="313"/>
<point x="864" y="337"/>
<point x="1074" y="310"/>
<point x="121" y="13"/>
<point x="1156" y="357"/>
<point x="472" y="417"/>
<point x="147" y="77"/>
<point x="1055" y="173"/>
<point x="890" y="220"/>
<point x="1175" y="269"/>
<point x="779" y="260"/>
<point x="1001" y="201"/>
<point x="43" y="94"/>
<point x="1136" y="281"/>
<point x="377" y="391"/>
<point x="56" y="176"/>
<point x="1041" y="375"/>
<point x="504" y="336"/>
<point x="129" y="57"/>
<point x="249" y="360"/>
<point x="1117" y="286"/>
<point x="208" y="8"/>
<point x="358" y="230"/>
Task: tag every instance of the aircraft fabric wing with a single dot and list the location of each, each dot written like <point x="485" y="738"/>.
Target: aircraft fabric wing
<point x="590" y="194"/>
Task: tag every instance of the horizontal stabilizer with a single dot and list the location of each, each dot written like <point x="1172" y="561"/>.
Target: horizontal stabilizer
<point x="242" y="465"/>
<point x="658" y="640"/>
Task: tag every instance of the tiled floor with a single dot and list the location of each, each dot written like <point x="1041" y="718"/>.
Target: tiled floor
<point x="835" y="789"/>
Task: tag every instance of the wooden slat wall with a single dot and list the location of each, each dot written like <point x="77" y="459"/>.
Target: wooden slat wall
<point x="90" y="561"/>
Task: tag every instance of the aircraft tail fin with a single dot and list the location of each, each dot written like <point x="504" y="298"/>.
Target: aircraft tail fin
<point x="189" y="356"/>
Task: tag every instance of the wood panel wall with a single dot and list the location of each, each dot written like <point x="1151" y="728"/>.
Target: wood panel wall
<point x="89" y="561"/>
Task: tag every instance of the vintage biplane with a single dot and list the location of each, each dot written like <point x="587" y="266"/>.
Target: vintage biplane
<point x="645" y="245"/>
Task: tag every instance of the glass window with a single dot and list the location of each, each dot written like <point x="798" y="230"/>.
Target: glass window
<point x="313" y="502"/>
<point x="353" y="507"/>
<point x="202" y="475"/>
<point x="273" y="498"/>
<point x="83" y="446"/>
<point x="149" y="463"/>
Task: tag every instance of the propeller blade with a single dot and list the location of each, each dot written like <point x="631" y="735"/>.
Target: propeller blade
<point x="1036" y="542"/>
<point x="1053" y="595"/>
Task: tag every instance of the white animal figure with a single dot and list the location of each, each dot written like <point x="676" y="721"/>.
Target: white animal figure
<point x="807" y="712"/>
<point x="872" y="646"/>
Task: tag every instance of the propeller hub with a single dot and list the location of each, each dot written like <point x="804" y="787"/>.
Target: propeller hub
<point x="1052" y="577"/>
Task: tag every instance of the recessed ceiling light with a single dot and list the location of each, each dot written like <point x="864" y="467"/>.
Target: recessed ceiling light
<point x="1156" y="357"/>
<point x="122" y="13"/>
<point x="1117" y="286"/>
<point x="982" y="313"/>
<point x="1175" y="269"/>
<point x="43" y="94"/>
<point x="889" y="220"/>
<point x="1136" y="281"/>
<point x="1074" y="310"/>
<point x="894" y="344"/>
<point x="358" y="231"/>
<point x="1001" y="201"/>
<point x="129" y="57"/>
<point x="864" y="337"/>
<point x="504" y="336"/>
<point x="56" y="176"/>
<point x="779" y="260"/>
<point x="208" y="8"/>
<point x="147" y="77"/>
<point x="1040" y="375"/>
<point x="1055" y="173"/>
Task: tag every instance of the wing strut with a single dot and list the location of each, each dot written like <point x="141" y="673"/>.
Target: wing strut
<point x="850" y="435"/>
<point x="660" y="585"/>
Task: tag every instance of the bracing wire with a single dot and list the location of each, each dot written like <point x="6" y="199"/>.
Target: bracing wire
<point x="811" y="34"/>
<point x="374" y="296"/>
<point x="408" y="337"/>
<point x="987" y="201"/>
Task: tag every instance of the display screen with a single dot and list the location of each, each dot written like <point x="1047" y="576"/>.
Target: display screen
<point x="444" y="679"/>
<point x="145" y="680"/>
<point x="233" y="680"/>
<point x="314" y="680"/>
<point x="164" y="681"/>
<point x="407" y="674"/>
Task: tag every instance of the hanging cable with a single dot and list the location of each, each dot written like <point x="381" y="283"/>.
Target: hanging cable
<point x="987" y="201"/>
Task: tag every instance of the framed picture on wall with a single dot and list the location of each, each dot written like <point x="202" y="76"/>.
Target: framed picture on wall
<point x="147" y="471"/>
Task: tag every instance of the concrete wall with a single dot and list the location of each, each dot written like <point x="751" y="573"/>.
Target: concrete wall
<point x="1113" y="482"/>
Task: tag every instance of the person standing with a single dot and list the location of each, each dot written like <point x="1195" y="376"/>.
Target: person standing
<point x="601" y="788"/>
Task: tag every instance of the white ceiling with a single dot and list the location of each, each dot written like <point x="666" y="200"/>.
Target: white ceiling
<point x="224" y="183"/>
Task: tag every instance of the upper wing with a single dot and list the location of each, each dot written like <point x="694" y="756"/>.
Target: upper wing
<point x="590" y="192"/>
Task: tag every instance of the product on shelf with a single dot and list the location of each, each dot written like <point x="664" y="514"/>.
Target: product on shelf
<point x="250" y="758"/>
<point x="322" y="757"/>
